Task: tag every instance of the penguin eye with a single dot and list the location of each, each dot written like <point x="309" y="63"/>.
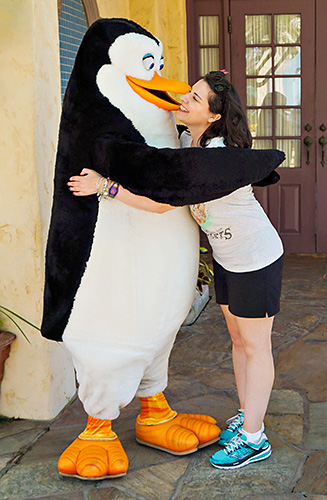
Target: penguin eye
<point x="161" y="65"/>
<point x="148" y="61"/>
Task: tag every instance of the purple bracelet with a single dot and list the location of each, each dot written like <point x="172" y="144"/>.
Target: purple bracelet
<point x="113" y="190"/>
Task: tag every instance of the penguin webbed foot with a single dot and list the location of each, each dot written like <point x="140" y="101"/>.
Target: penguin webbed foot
<point x="184" y="434"/>
<point x="96" y="454"/>
<point x="93" y="460"/>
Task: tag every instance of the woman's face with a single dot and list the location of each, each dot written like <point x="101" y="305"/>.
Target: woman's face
<point x="194" y="110"/>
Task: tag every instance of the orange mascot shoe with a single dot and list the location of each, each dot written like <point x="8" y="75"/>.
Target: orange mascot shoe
<point x="158" y="426"/>
<point x="96" y="454"/>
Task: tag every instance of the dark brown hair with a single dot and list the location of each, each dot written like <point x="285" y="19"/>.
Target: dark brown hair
<point x="233" y="125"/>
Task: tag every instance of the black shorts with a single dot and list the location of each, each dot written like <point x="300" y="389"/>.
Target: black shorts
<point x="253" y="294"/>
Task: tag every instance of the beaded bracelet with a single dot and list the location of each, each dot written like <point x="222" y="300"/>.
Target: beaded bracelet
<point x="109" y="190"/>
<point x="104" y="194"/>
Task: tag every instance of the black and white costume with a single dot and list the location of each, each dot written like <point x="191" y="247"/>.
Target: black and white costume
<point x="119" y="281"/>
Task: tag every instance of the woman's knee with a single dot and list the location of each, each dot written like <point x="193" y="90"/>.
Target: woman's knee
<point x="252" y="347"/>
<point x="232" y="326"/>
<point x="255" y="334"/>
<point x="236" y="339"/>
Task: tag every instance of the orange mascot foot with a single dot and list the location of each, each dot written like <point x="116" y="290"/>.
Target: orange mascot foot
<point x="96" y="454"/>
<point x="160" y="427"/>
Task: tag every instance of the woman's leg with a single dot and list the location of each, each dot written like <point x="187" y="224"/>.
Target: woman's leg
<point x="238" y="353"/>
<point x="259" y="373"/>
<point x="253" y="365"/>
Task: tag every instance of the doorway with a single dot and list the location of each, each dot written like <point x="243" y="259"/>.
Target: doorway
<point x="270" y="48"/>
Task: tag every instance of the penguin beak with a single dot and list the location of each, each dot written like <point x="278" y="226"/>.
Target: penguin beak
<point x="155" y="90"/>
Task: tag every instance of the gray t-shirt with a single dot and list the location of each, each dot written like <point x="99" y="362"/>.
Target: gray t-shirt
<point x="240" y="234"/>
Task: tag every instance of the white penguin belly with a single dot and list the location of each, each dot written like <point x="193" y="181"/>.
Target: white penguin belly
<point x="135" y="293"/>
<point x="140" y="279"/>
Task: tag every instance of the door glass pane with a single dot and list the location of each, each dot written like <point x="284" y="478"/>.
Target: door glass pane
<point x="292" y="150"/>
<point x="287" y="28"/>
<point x="260" y="122"/>
<point x="287" y="61"/>
<point x="209" y="30"/>
<point x="288" y="91"/>
<point x="262" y="144"/>
<point x="258" y="61"/>
<point x="288" y="122"/>
<point x="259" y="91"/>
<point x="209" y="60"/>
<point x="257" y="29"/>
<point x="273" y="83"/>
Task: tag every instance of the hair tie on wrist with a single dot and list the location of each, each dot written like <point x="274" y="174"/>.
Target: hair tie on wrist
<point x="98" y="182"/>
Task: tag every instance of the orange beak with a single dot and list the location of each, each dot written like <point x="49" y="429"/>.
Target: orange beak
<point x="155" y="90"/>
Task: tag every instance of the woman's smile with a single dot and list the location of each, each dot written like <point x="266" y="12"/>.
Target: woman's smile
<point x="183" y="109"/>
<point x="194" y="110"/>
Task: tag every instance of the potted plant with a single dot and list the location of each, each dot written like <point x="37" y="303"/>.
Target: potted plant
<point x="202" y="297"/>
<point x="7" y="338"/>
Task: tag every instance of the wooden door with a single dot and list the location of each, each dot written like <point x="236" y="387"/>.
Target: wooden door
<point x="321" y="124"/>
<point x="271" y="48"/>
<point x="270" y="42"/>
<point x="207" y="34"/>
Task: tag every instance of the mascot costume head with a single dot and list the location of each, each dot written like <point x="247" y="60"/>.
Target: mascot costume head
<point x="120" y="281"/>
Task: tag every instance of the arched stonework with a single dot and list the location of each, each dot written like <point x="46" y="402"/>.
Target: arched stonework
<point x="90" y="8"/>
<point x="91" y="11"/>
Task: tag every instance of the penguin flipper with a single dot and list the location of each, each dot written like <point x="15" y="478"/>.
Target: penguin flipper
<point x="183" y="176"/>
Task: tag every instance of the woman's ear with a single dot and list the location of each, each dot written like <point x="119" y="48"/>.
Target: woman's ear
<point x="213" y="118"/>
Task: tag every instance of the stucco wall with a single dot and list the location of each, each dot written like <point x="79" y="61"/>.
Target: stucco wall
<point x="116" y="8"/>
<point x="166" y="19"/>
<point x="39" y="378"/>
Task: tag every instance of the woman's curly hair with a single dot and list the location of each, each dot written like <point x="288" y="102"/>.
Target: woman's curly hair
<point x="233" y="125"/>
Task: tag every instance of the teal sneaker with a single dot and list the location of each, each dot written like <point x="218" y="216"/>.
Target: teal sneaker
<point x="235" y="424"/>
<point x="239" y="452"/>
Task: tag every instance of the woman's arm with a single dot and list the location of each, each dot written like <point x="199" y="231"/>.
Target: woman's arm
<point x="90" y="182"/>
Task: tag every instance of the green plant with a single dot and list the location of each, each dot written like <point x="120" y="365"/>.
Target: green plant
<point x="205" y="273"/>
<point x="9" y="314"/>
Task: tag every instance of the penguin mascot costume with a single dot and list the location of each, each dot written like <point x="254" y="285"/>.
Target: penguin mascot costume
<point x="120" y="281"/>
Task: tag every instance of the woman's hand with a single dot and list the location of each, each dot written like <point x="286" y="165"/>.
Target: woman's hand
<point x="87" y="183"/>
<point x="90" y="182"/>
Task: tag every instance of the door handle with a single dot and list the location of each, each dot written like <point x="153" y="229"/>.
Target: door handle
<point x="322" y="141"/>
<point x="308" y="141"/>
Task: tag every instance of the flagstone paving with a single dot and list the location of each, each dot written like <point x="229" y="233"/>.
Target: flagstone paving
<point x="201" y="380"/>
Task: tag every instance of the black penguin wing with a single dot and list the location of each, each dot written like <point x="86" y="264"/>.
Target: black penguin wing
<point x="68" y="249"/>
<point x="183" y="176"/>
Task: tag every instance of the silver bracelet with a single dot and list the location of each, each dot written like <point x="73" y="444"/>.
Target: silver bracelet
<point x="104" y="195"/>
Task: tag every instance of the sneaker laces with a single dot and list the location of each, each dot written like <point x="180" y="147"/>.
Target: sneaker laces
<point x="235" y="422"/>
<point x="235" y="444"/>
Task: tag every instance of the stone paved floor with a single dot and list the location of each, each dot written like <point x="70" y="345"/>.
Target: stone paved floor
<point x="201" y="379"/>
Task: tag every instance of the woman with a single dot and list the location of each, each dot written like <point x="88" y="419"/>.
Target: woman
<point x="247" y="261"/>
